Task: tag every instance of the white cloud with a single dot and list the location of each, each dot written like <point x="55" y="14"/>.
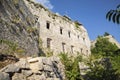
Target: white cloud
<point x="46" y="3"/>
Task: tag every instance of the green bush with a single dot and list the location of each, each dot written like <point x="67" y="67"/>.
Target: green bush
<point x="12" y="48"/>
<point x="104" y="47"/>
<point x="72" y="71"/>
<point x="100" y="69"/>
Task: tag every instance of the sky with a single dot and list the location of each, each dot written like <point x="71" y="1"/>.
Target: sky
<point x="91" y="13"/>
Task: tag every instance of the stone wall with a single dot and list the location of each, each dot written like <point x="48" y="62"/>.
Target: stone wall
<point x="39" y="68"/>
<point x="74" y="37"/>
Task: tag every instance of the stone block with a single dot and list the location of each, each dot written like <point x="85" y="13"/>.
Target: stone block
<point x="48" y="68"/>
<point x="10" y="68"/>
<point x="23" y="63"/>
<point x="27" y="73"/>
<point x="35" y="67"/>
<point x="47" y="61"/>
<point x="18" y="76"/>
<point x="4" y="76"/>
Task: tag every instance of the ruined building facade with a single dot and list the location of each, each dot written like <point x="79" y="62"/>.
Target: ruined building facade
<point x="59" y="33"/>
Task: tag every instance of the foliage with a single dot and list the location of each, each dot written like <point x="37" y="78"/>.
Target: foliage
<point x="116" y="64"/>
<point x="31" y="29"/>
<point x="114" y="15"/>
<point x="104" y="47"/>
<point x="106" y="34"/>
<point x="104" y="63"/>
<point x="15" y="2"/>
<point x="12" y="47"/>
<point x="49" y="53"/>
<point x="77" y="24"/>
<point x="16" y="18"/>
<point x="100" y="71"/>
<point x="71" y="66"/>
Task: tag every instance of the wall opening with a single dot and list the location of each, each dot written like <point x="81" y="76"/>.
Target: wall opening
<point x="81" y="50"/>
<point x="87" y="52"/>
<point x="69" y="34"/>
<point x="84" y="39"/>
<point x="61" y="30"/>
<point x="63" y="47"/>
<point x="78" y="36"/>
<point x="49" y="43"/>
<point x="72" y="49"/>
<point x="48" y="25"/>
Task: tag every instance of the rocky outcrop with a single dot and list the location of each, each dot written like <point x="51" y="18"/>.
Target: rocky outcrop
<point x="110" y="38"/>
<point x="39" y="68"/>
<point x="113" y="40"/>
<point x="7" y="59"/>
<point x="17" y="27"/>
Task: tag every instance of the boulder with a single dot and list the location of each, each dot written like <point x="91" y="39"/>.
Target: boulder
<point x="23" y="63"/>
<point x="4" y="76"/>
<point x="10" y="69"/>
<point x="18" y="76"/>
<point x="27" y="72"/>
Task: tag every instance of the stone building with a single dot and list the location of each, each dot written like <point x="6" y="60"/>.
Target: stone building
<point x="59" y="33"/>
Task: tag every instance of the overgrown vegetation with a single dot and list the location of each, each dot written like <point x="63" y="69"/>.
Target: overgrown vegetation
<point x="104" y="47"/>
<point x="31" y="29"/>
<point x="76" y="24"/>
<point x="10" y="47"/>
<point x="48" y="52"/>
<point x="72" y="71"/>
<point x="104" y="63"/>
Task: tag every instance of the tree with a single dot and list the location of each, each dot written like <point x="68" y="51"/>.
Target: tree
<point x="100" y="70"/>
<point x="114" y="15"/>
<point x="71" y="66"/>
<point x="104" y="47"/>
<point x="105" y="64"/>
<point x="106" y="34"/>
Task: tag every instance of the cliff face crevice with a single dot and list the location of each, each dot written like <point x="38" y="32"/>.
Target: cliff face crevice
<point x="17" y="25"/>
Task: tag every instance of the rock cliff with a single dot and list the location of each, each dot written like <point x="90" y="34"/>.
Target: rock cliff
<point x="17" y="32"/>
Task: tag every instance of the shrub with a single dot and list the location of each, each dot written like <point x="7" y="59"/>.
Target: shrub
<point x="72" y="71"/>
<point x="12" y="48"/>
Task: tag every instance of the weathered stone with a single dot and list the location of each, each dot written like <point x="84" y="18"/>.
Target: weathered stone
<point x="23" y="63"/>
<point x="36" y="77"/>
<point x="18" y="76"/>
<point x="33" y="60"/>
<point x="35" y="67"/>
<point x="27" y="73"/>
<point x="70" y="34"/>
<point x="48" y="68"/>
<point x="14" y="27"/>
<point x="47" y="61"/>
<point x="4" y="76"/>
<point x="10" y="68"/>
<point x="52" y="79"/>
